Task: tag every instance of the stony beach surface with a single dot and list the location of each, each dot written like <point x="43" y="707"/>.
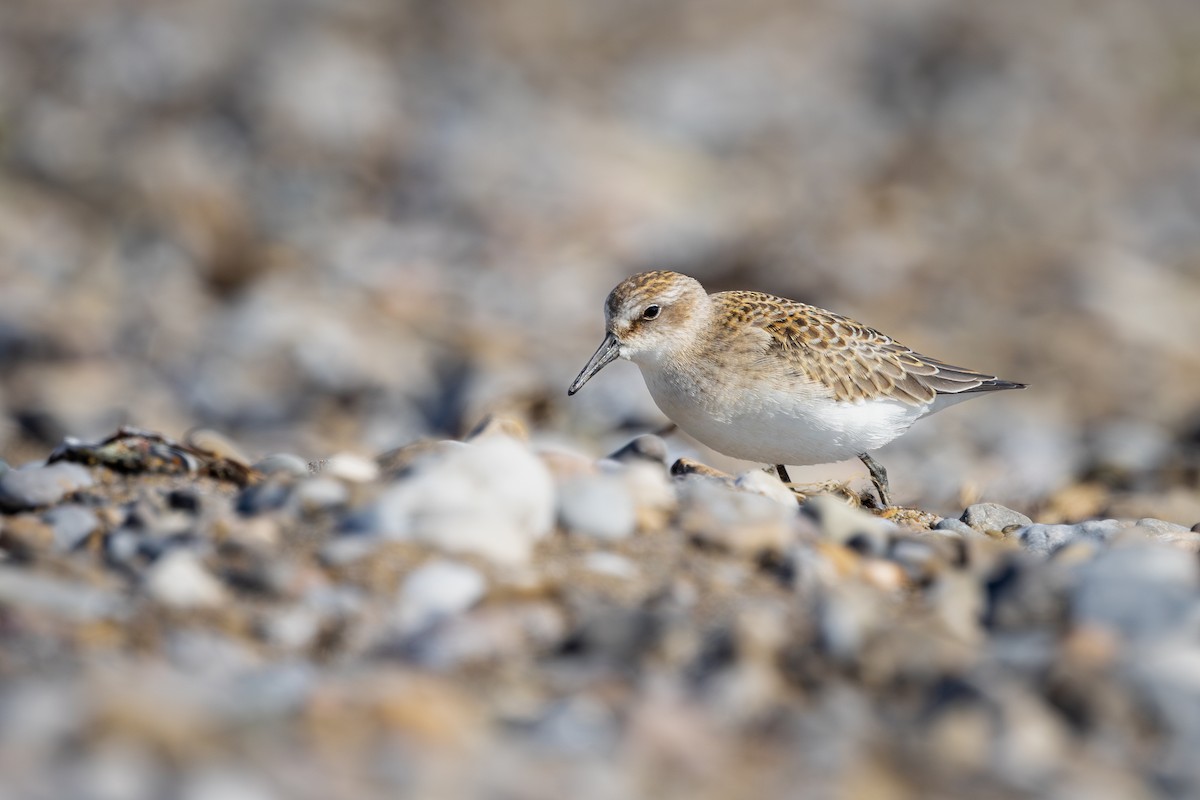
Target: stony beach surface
<point x="339" y="261"/>
<point x="488" y="617"/>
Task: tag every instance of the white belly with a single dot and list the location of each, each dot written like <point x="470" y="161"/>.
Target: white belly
<point x="763" y="424"/>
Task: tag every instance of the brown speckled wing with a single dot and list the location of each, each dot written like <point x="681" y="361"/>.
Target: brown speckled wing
<point x="855" y="362"/>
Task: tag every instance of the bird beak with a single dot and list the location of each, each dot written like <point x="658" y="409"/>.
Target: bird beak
<point x="608" y="351"/>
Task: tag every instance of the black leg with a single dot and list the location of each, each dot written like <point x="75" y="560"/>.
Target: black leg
<point x="878" y="477"/>
<point x="781" y="471"/>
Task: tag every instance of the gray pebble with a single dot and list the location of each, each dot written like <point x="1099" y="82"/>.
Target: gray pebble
<point x="439" y="589"/>
<point x="992" y="517"/>
<point x="597" y="505"/>
<point x="644" y="448"/>
<point x="1142" y="591"/>
<point x="954" y="526"/>
<point x="66" y="598"/>
<point x="284" y="464"/>
<point x="1158" y="527"/>
<point x="320" y="494"/>
<point x="179" y="579"/>
<point x="37" y="486"/>
<point x="72" y="524"/>
<point x="1045" y="539"/>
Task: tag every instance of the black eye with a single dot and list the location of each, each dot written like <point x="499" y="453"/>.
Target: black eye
<point x="651" y="312"/>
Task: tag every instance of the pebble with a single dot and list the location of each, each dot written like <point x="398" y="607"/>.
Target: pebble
<point x="66" y="598"/>
<point x="1045" y="539"/>
<point x="611" y="564"/>
<point x="646" y="447"/>
<point x="180" y="580"/>
<point x="320" y="494"/>
<point x="598" y="505"/>
<point x="986" y="517"/>
<point x="436" y="590"/>
<point x="347" y="467"/>
<point x="719" y="515"/>
<point x="955" y="526"/>
<point x="852" y="527"/>
<point x="72" y="524"/>
<point x="494" y="498"/>
<point x="1143" y="591"/>
<point x="37" y="486"/>
<point x="768" y="485"/>
<point x="283" y="464"/>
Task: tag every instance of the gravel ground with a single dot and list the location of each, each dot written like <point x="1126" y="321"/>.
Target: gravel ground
<point x="338" y="261"/>
<point x="489" y="618"/>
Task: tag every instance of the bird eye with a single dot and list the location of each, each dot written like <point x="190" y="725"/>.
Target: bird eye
<point x="651" y="312"/>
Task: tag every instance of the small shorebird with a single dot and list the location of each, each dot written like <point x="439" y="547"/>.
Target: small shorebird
<point x="765" y="379"/>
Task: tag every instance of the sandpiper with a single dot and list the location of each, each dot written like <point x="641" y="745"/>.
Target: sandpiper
<point x="765" y="379"/>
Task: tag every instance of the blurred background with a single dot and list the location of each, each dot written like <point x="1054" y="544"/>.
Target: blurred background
<point x="321" y="226"/>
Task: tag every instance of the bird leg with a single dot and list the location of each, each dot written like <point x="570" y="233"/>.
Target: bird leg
<point x="781" y="471"/>
<point x="878" y="477"/>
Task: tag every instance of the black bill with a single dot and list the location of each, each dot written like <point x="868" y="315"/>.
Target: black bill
<point x="609" y="349"/>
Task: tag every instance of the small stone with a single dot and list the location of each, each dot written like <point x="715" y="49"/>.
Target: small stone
<point x="992" y="517"/>
<point x="647" y="447"/>
<point x="496" y="425"/>
<point x="852" y="527"/>
<point x="437" y="590"/>
<point x="494" y="498"/>
<point x="597" y="505"/>
<point x="66" y="598"/>
<point x="72" y="524"/>
<point x="38" y="486"/>
<point x="954" y="526"/>
<point x="179" y="579"/>
<point x="217" y="444"/>
<point x="283" y="463"/>
<point x="611" y="564"/>
<point x="767" y="485"/>
<point x="1141" y="591"/>
<point x="320" y="494"/>
<point x="653" y="493"/>
<point x="265" y="496"/>
<point x="23" y="536"/>
<point x="1046" y="539"/>
<point x="347" y="467"/>
<point x="686" y="466"/>
<point x="1161" y="528"/>
<point x="724" y="517"/>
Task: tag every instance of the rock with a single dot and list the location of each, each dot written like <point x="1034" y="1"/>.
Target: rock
<point x="686" y="466"/>
<point x="283" y="463"/>
<point x="179" y="579"/>
<point x="436" y="590"/>
<point x="597" y="505"/>
<point x="72" y="524"/>
<point x="37" y="486"/>
<point x="1142" y="591"/>
<point x="722" y="516"/>
<point x="767" y="485"/>
<point x="611" y="564"/>
<point x="647" y="447"/>
<point x="986" y="517"/>
<point x="494" y="498"/>
<point x="217" y="444"/>
<point x="1046" y="539"/>
<point x="495" y="425"/>
<point x="71" y="599"/>
<point x="955" y="526"/>
<point x="320" y="494"/>
<point x="347" y="467"/>
<point x="266" y="496"/>
<point x="653" y="493"/>
<point x="852" y="527"/>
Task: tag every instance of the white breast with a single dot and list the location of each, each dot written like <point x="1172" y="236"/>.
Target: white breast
<point x="796" y="424"/>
